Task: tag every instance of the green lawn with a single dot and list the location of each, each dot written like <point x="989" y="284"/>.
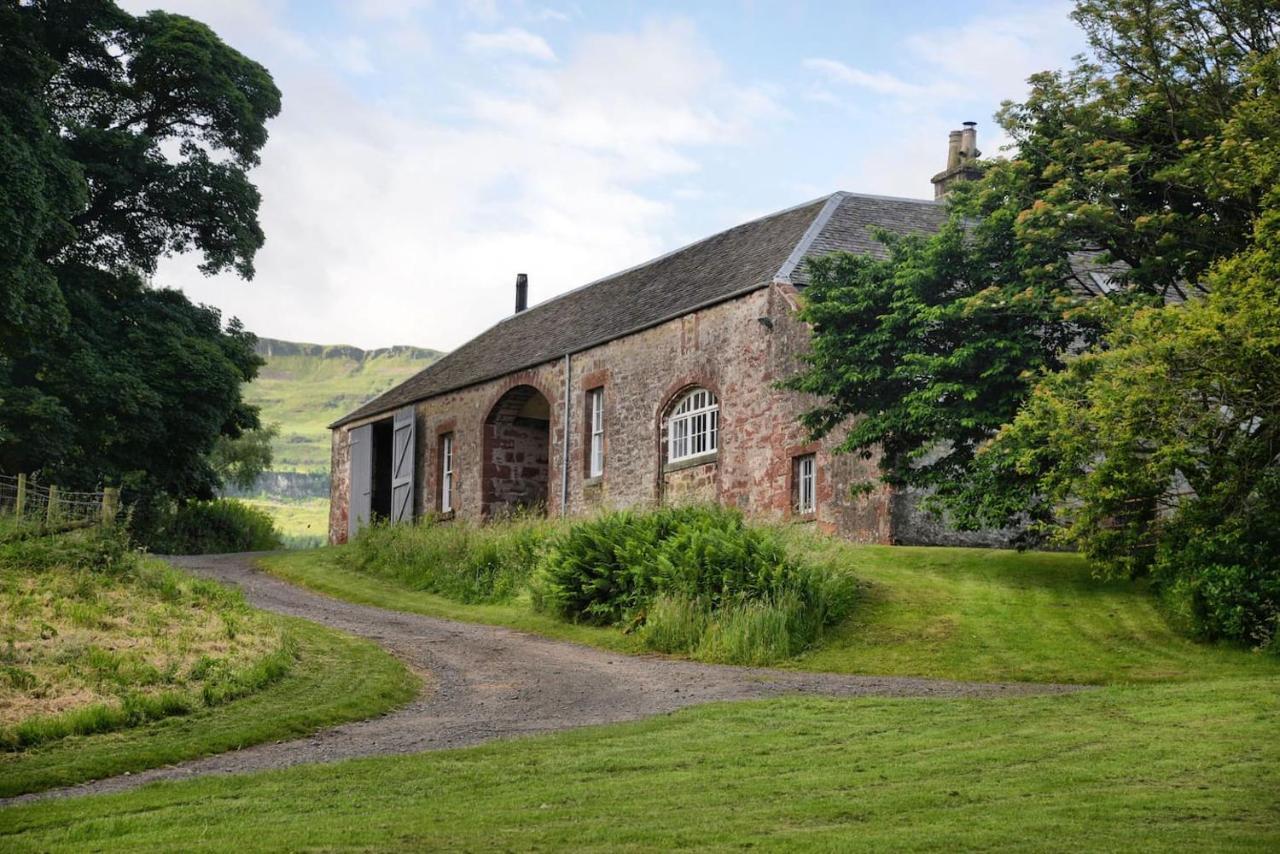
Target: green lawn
<point x="1187" y="767"/>
<point x="952" y="613"/>
<point x="336" y="678"/>
<point x="1180" y="752"/>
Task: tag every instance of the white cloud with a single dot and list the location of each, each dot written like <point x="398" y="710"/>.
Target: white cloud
<point x="880" y="82"/>
<point x="512" y="40"/>
<point x="387" y="227"/>
<point x="392" y="10"/>
<point x="546" y="13"/>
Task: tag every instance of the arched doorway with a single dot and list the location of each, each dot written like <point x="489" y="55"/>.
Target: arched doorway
<point x="517" y="453"/>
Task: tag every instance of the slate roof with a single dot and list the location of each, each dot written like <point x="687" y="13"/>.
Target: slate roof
<point x="734" y="262"/>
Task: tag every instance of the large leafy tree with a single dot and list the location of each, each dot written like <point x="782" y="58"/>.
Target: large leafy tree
<point x="1161" y="451"/>
<point x="922" y="357"/>
<point x="123" y="139"/>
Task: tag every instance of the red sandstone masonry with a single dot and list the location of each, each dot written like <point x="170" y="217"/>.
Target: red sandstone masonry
<point x="725" y="348"/>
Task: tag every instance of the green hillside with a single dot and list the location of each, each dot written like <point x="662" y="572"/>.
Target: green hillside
<point x="305" y="387"/>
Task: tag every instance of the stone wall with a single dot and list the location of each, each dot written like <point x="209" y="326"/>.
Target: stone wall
<point x="518" y="465"/>
<point x="339" y="487"/>
<point x="738" y="349"/>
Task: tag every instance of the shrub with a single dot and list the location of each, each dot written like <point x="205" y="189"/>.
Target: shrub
<point x="1222" y="581"/>
<point x="698" y="580"/>
<point x="456" y="560"/>
<point x="211" y="527"/>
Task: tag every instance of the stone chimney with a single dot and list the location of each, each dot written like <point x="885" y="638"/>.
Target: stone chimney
<point x="522" y="292"/>
<point x="962" y="156"/>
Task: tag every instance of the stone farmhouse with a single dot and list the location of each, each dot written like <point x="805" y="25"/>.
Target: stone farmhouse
<point x="654" y="385"/>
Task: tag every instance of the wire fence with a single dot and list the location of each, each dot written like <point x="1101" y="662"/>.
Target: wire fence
<point x="27" y="503"/>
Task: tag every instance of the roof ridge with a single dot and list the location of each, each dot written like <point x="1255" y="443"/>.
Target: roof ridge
<point x="929" y="202"/>
<point x="810" y="234"/>
<point x="663" y="256"/>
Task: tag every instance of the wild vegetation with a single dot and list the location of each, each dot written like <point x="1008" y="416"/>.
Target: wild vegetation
<point x="1138" y="429"/>
<point x="214" y="527"/>
<point x="958" y="613"/>
<point x="114" y="662"/>
<point x="97" y="638"/>
<point x="696" y="581"/>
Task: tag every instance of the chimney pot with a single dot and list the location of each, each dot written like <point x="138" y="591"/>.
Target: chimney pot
<point x="962" y="150"/>
<point x="522" y="292"/>
<point x="969" y="141"/>
<point x="953" y="150"/>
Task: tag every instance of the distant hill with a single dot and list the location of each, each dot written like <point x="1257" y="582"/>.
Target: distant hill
<point x="305" y="387"/>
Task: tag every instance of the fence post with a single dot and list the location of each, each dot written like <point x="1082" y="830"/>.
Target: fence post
<point x="52" y="515"/>
<point x="20" y="505"/>
<point x="110" y="504"/>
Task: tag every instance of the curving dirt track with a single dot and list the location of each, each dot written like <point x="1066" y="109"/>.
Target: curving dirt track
<point x="486" y="682"/>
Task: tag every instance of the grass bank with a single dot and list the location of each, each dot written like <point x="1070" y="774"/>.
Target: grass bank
<point x="1167" y="767"/>
<point x="336" y="678"/>
<point x="98" y="638"/>
<point x="114" y="662"/>
<point x="972" y="614"/>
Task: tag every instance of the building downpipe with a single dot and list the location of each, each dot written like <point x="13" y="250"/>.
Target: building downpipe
<point x="564" y="437"/>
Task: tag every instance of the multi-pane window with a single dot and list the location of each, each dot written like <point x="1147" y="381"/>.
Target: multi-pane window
<point x="446" y="473"/>
<point x="595" y="412"/>
<point x="805" y="480"/>
<point x="693" y="428"/>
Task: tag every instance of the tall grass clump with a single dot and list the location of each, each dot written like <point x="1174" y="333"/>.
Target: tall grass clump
<point x="210" y="527"/>
<point x="96" y="637"/>
<point x="463" y="562"/>
<point x="693" y="580"/>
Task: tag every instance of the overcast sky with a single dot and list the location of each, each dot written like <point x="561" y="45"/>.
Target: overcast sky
<point x="429" y="150"/>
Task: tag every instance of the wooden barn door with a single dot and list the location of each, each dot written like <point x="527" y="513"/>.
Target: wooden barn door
<point x="402" y="446"/>
<point x="360" y="484"/>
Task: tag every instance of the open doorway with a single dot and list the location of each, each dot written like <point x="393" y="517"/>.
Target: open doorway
<point x="517" y="453"/>
<point x="380" y="498"/>
<point x="381" y="485"/>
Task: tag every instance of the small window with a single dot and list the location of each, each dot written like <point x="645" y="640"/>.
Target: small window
<point x="805" y="480"/>
<point x="446" y="473"/>
<point x="595" y="427"/>
<point x="693" y="429"/>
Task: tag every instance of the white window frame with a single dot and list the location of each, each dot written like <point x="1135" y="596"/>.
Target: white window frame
<point x="446" y="473"/>
<point x="806" y="474"/>
<point x="595" y="408"/>
<point x="693" y="427"/>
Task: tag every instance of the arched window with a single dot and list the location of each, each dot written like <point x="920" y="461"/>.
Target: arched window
<point x="693" y="428"/>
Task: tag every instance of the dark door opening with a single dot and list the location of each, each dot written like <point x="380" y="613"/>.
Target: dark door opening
<point x="380" y="503"/>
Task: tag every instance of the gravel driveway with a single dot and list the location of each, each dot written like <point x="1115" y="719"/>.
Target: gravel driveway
<point x="485" y="682"/>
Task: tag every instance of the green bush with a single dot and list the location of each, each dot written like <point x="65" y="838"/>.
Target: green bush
<point x="1222" y="581"/>
<point x="456" y="560"/>
<point x="695" y="580"/>
<point x="211" y="527"/>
